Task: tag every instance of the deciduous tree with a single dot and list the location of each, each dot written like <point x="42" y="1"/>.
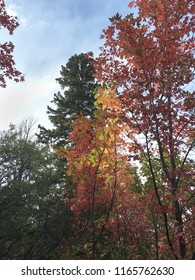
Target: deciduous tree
<point x="33" y="218"/>
<point x="104" y="203"/>
<point x="7" y="69"/>
<point x="149" y="60"/>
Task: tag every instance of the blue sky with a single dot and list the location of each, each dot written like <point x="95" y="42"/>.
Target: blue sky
<point x="50" y="32"/>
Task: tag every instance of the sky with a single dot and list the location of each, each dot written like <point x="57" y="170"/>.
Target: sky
<point x="50" y="32"/>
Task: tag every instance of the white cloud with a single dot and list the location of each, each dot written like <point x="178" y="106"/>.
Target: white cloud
<point x="26" y="99"/>
<point x="43" y="23"/>
<point x="23" y="21"/>
<point x="12" y="10"/>
<point x="16" y="11"/>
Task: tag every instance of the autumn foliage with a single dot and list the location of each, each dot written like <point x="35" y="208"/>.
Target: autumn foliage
<point x="144" y="119"/>
<point x="105" y="206"/>
<point x="7" y="69"/>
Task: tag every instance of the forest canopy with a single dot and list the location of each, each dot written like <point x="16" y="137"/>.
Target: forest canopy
<point x="114" y="177"/>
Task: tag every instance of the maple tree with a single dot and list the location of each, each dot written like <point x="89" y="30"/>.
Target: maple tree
<point x="148" y="60"/>
<point x="104" y="204"/>
<point x="7" y="69"/>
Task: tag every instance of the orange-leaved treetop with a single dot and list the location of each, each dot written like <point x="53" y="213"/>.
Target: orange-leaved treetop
<point x="7" y="69"/>
<point x="103" y="202"/>
<point x="149" y="60"/>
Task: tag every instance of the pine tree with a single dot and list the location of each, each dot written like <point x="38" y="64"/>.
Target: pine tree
<point x="78" y="82"/>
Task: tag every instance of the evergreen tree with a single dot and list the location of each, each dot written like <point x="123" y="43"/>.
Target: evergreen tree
<point x="78" y="82"/>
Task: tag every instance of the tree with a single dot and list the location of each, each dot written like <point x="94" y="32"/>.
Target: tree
<point x="78" y="82"/>
<point x="33" y="218"/>
<point x="7" y="69"/>
<point x="77" y="79"/>
<point x="148" y="60"/>
<point x="104" y="202"/>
